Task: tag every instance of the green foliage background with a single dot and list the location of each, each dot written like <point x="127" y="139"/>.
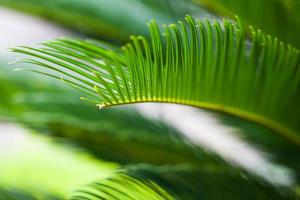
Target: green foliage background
<point x="249" y="80"/>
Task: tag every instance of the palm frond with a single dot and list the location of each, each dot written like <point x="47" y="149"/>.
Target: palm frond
<point x="180" y="182"/>
<point x="200" y="63"/>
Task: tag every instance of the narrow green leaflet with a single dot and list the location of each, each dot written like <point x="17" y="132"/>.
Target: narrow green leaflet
<point x="202" y="63"/>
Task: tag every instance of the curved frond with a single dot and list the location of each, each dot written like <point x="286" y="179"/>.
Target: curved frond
<point x="179" y="182"/>
<point x="202" y="63"/>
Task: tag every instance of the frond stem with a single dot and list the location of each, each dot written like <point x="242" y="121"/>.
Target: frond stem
<point x="284" y="131"/>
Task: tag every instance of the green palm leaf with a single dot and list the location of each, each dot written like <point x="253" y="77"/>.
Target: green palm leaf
<point x="179" y="182"/>
<point x="201" y="63"/>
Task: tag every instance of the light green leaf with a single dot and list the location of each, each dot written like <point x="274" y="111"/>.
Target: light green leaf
<point x="202" y="63"/>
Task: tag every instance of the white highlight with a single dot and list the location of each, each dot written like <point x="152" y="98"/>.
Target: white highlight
<point x="205" y="130"/>
<point x="19" y="29"/>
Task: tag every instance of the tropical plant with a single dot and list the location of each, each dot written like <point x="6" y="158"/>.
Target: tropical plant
<point x="248" y="79"/>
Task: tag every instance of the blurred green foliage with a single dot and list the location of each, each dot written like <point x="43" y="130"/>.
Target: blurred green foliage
<point x="122" y="134"/>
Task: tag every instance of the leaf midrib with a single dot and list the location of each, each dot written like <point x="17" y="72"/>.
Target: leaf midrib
<point x="282" y="130"/>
